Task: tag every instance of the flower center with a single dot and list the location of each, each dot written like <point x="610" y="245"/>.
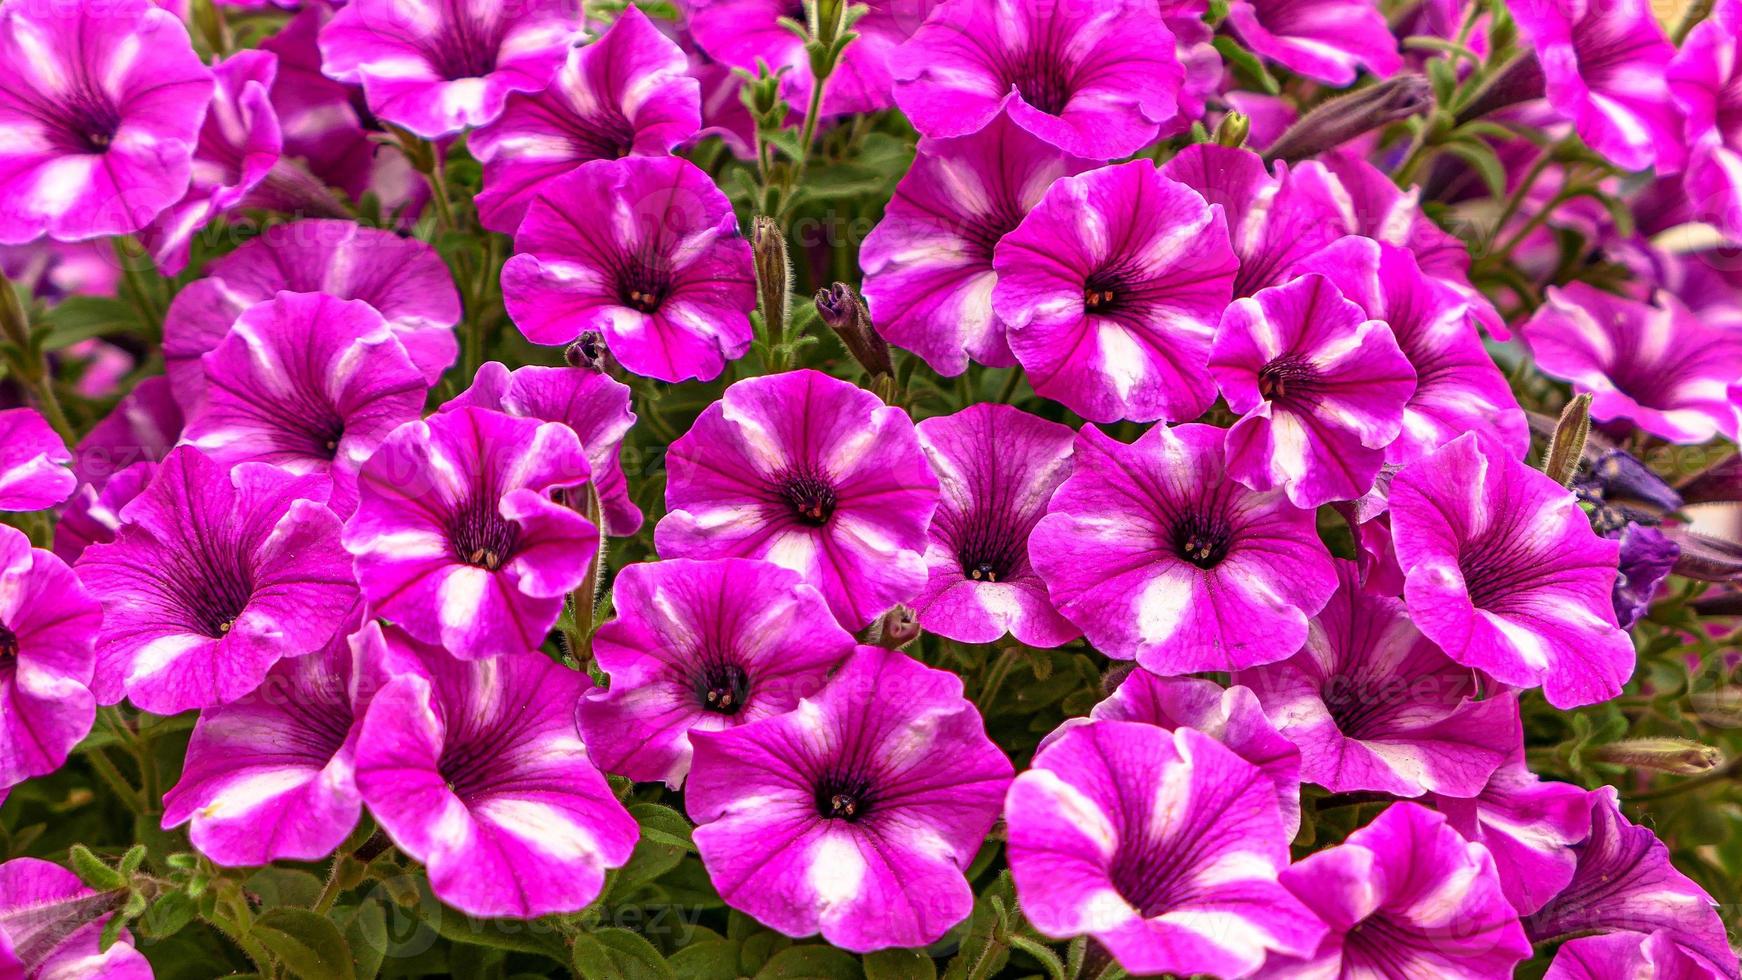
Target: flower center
<point x="810" y="496"/>
<point x="217" y="596"/>
<point x="1202" y="540"/>
<point x="643" y="282"/>
<point x="723" y="688"/>
<point x="8" y="646"/>
<point x="1288" y="374"/>
<point x="462" y="49"/>
<point x="481" y="537"/>
<point x="1108" y="292"/>
<point x="466" y="766"/>
<point x="89" y="124"/>
<point x="843" y="796"/>
<point x="1042" y="80"/>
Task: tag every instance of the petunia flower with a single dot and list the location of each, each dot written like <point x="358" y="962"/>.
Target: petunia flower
<point x="269" y="777"/>
<point x="216" y="574"/>
<point x="1705" y="78"/>
<point x="1110" y="290"/>
<point x="1458" y="387"/>
<point x="405" y="280"/>
<point x="813" y="474"/>
<point x="1230" y="715"/>
<point x="142" y="427"/>
<point x="702" y="646"/>
<point x="474" y="768"/>
<point x="1624" y="882"/>
<point x="741" y="33"/>
<point x="1326" y="40"/>
<point x="101" y="110"/>
<point x="320" y="119"/>
<point x="463" y="534"/>
<point x="1530" y="826"/>
<point x="928" y="262"/>
<point x="308" y="383"/>
<point x="1160" y="557"/>
<point x="438" y="68"/>
<point x="1066" y="72"/>
<point x="1163" y="846"/>
<point x="856" y="813"/>
<point x="47" y="623"/>
<point x="644" y="251"/>
<point x="33" y="471"/>
<point x="1658" y="366"/>
<point x="997" y="467"/>
<point x="1273" y="221"/>
<point x="1604" y="68"/>
<point x="1405" y="895"/>
<point x="1647" y="558"/>
<point x="1321" y="388"/>
<point x="1374" y="705"/>
<point x="238" y="146"/>
<point x="92" y="516"/>
<point x="1627" y="954"/>
<point x="626" y="93"/>
<point x="592" y="403"/>
<point x="51" y="926"/>
<point x="1504" y="573"/>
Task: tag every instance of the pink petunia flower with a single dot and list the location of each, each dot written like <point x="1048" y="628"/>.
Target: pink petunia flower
<point x="1706" y="80"/>
<point x="269" y="777"/>
<point x="643" y="251"/>
<point x="1627" y="954"/>
<point x="216" y="574"/>
<point x="997" y="467"/>
<point x="1110" y="290"/>
<point x="813" y="474"/>
<point x="1325" y="40"/>
<point x="33" y="471"/>
<point x="1405" y="895"/>
<point x="1321" y="389"/>
<point x="1530" y="826"/>
<point x="590" y="402"/>
<point x="100" y="112"/>
<point x="626" y="93"/>
<point x="1504" y="573"/>
<point x="856" y="813"/>
<point x="405" y="280"/>
<point x="51" y="926"/>
<point x="308" y="383"/>
<point x="1160" y="557"/>
<point x="474" y="768"/>
<point x="1163" y="846"/>
<point x="47" y="623"/>
<point x="1066" y="72"/>
<point x="1374" y="705"/>
<point x="464" y="534"/>
<point x="928" y="263"/>
<point x="702" y="646"/>
<point x="1659" y="366"/>
<point x="437" y="68"/>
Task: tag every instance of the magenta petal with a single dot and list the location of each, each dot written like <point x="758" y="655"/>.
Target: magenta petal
<point x="47" y="623"/>
<point x="33" y="472"/>
<point x="55" y="924"/>
<point x="1530" y="826"/>
<point x="1325" y="40"/>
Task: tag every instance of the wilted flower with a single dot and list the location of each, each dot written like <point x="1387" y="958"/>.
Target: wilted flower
<point x="1160" y="557"/>
<point x="1504" y="572"/>
<point x="1164" y="846"/>
<point x="216" y="574"/>
<point x="474" y="768"/>
<point x="1110" y="291"/>
<point x="436" y="69"/>
<point x="1405" y="894"/>
<point x="812" y="474"/>
<point x="308" y="383"/>
<point x="1374" y="705"/>
<point x="103" y="105"/>
<point x="1647" y="558"/>
<point x="856" y="813"/>
<point x="643" y="250"/>
<point x="1067" y="72"/>
<point x="702" y="646"/>
<point x="625" y="93"/>
<point x="462" y="534"/>
<point x="997" y="467"/>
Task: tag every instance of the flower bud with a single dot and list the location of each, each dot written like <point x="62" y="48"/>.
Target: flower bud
<point x="1705" y="558"/>
<point x="898" y="628"/>
<point x="1233" y="129"/>
<point x="1719" y="483"/>
<point x="773" y="274"/>
<point x="1718" y="709"/>
<point x="1677" y="756"/>
<point x="1343" y="118"/>
<point x="588" y="351"/>
<point x="844" y="312"/>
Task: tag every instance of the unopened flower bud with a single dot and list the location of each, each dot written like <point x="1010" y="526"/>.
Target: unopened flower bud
<point x="897" y="628"/>
<point x="1719" y="709"/>
<point x="1677" y="756"/>
<point x="1342" y="119"/>
<point x="1705" y="558"/>
<point x="843" y="311"/>
<point x="1719" y="483"/>
<point x="1233" y="129"/>
<point x="773" y="273"/>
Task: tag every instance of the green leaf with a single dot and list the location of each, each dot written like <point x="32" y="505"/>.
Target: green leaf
<point x="618" y="954"/>
<point x="93" y="872"/>
<point x="811" y="963"/>
<point x="168" y="915"/>
<point x="716" y="959"/>
<point x="1247" y="62"/>
<point x="1481" y="157"/>
<point x="307" y="943"/>
<point x="665" y="840"/>
<point x="77" y="318"/>
<point x="900" y="964"/>
<point x="366" y="931"/>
